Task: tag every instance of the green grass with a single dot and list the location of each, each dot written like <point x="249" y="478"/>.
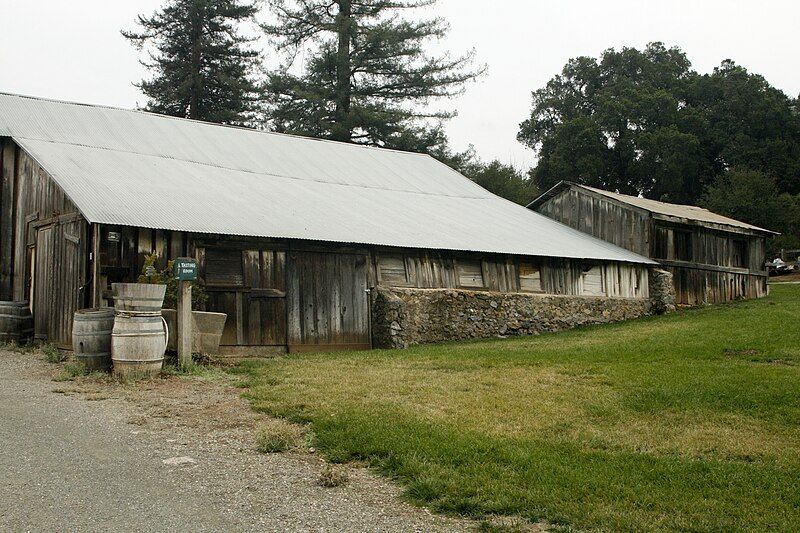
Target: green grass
<point x="689" y="421"/>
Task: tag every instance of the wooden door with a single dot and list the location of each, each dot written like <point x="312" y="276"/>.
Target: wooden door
<point x="328" y="304"/>
<point x="58" y="283"/>
<point x="249" y="286"/>
<point x="44" y="285"/>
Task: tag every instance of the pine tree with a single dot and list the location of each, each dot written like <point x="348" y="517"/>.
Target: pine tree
<point x="202" y="67"/>
<point x="366" y="77"/>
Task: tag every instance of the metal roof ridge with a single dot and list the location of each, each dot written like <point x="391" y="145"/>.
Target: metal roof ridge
<point x="203" y="122"/>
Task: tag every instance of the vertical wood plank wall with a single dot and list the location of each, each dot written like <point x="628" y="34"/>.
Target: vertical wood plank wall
<point x="601" y="217"/>
<point x="313" y="296"/>
<point x="32" y="206"/>
<point x="710" y="276"/>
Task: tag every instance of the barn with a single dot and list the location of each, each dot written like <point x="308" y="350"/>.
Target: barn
<point x="292" y="235"/>
<point x="712" y="258"/>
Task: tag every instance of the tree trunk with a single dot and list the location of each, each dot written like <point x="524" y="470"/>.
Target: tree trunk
<point x="342" y="130"/>
<point x="196" y="85"/>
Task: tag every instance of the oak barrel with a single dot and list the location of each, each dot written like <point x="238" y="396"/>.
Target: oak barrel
<point x="142" y="297"/>
<point x="138" y="343"/>
<point x="91" y="337"/>
<point x="16" y="322"/>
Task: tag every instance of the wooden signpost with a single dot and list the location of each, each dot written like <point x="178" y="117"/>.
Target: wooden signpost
<point x="185" y="273"/>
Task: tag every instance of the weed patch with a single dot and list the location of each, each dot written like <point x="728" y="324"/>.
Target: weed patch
<point x="71" y="371"/>
<point x="333" y="476"/>
<point x="277" y="435"/>
<point x="54" y="355"/>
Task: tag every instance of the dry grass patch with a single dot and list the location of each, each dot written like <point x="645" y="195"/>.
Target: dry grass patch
<point x="276" y="435"/>
<point x="333" y="476"/>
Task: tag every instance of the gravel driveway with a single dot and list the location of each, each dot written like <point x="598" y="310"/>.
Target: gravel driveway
<point x="83" y="456"/>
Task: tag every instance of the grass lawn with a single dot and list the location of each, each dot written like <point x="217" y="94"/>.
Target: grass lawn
<point x="689" y="421"/>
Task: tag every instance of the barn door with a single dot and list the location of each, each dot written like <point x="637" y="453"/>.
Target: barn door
<point x="328" y="302"/>
<point x="58" y="279"/>
<point x="249" y="286"/>
<point x="43" y="283"/>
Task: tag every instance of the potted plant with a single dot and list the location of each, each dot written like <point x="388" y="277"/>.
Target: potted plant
<point x="145" y="296"/>
<point x="207" y="326"/>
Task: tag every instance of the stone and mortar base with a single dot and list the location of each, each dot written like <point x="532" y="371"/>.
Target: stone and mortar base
<point x="403" y="317"/>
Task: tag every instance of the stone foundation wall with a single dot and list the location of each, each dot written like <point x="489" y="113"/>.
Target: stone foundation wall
<point x="404" y="317"/>
<point x="662" y="291"/>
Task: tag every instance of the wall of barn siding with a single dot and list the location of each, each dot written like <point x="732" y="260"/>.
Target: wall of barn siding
<point x="33" y="208"/>
<point x="711" y="276"/>
<point x="425" y="269"/>
<point x="320" y="301"/>
<point x="602" y="218"/>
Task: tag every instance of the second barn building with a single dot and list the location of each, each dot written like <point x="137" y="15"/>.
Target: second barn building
<point x="713" y="258"/>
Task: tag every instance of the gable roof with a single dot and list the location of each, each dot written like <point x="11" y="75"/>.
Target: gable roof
<point x="140" y="169"/>
<point x="679" y="211"/>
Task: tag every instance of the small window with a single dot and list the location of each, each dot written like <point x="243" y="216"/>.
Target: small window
<point x="224" y="268"/>
<point x="392" y="270"/>
<point x="470" y="274"/>
<point x="683" y="245"/>
<point x="530" y="279"/>
<point x="740" y="253"/>
<point x="592" y="278"/>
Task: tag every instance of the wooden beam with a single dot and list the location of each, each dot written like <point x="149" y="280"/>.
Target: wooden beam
<point x="97" y="289"/>
<point x="713" y="268"/>
<point x="7" y="219"/>
<point x="185" y="324"/>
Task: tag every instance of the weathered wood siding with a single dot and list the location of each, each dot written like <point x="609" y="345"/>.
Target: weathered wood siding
<point x="43" y="245"/>
<point x="440" y="270"/>
<point x="328" y="304"/>
<point x="278" y="294"/>
<point x="299" y="295"/>
<point x="694" y="286"/>
<point x="592" y="278"/>
<point x="707" y="261"/>
<point x="59" y="278"/>
<point x="601" y="217"/>
<point x="715" y="269"/>
<point x="709" y="246"/>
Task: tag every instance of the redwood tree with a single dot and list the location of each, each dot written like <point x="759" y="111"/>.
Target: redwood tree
<point x="358" y="71"/>
<point x="202" y="67"/>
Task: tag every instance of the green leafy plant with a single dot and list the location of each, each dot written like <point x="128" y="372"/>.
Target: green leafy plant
<point x="71" y="371"/>
<point x="53" y="354"/>
<point x="151" y="274"/>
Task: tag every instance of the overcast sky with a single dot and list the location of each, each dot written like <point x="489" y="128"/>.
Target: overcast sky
<point x="73" y="50"/>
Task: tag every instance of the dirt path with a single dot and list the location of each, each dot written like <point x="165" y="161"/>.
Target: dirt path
<point x="88" y="456"/>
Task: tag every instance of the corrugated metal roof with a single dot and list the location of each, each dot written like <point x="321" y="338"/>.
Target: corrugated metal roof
<point x="139" y="169"/>
<point x="688" y="212"/>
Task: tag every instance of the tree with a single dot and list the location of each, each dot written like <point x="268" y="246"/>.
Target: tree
<point x="366" y="77"/>
<point x="504" y="180"/>
<point x="202" y="67"/>
<point x="750" y="124"/>
<point x="643" y="122"/>
<point x="753" y="197"/>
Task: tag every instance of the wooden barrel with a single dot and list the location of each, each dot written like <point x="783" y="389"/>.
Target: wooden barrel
<point x="141" y="297"/>
<point x="16" y="322"/>
<point x="91" y="337"/>
<point x="138" y="343"/>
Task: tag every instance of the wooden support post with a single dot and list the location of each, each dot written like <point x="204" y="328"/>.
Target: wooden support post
<point x="97" y="288"/>
<point x="185" y="325"/>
